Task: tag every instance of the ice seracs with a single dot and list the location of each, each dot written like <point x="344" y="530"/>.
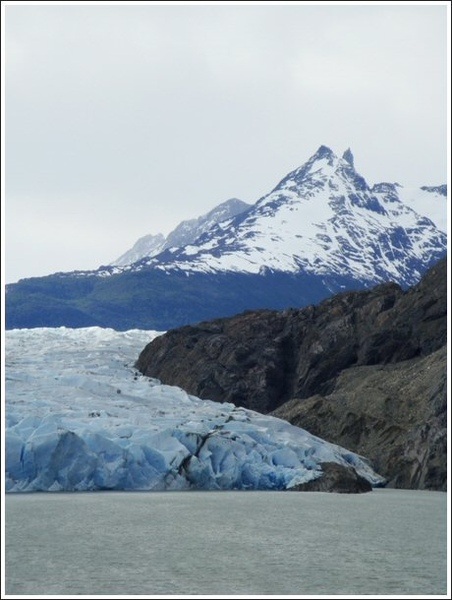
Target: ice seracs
<point x="80" y="418"/>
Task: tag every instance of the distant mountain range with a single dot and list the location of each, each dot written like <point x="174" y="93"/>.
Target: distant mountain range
<point x="321" y="230"/>
<point x="185" y="233"/>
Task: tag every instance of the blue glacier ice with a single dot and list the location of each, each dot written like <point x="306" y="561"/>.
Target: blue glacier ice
<point x="79" y="417"/>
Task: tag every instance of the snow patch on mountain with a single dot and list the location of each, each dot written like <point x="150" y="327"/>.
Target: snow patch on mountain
<point x="429" y="201"/>
<point x="79" y="417"/>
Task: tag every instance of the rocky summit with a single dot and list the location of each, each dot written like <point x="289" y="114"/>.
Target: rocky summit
<point x="366" y="370"/>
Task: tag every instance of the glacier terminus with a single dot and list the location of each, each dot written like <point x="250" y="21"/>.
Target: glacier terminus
<point x="79" y="417"/>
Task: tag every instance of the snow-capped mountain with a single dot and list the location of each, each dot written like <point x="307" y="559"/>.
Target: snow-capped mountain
<point x="323" y="229"/>
<point x="185" y="233"/>
<point x="324" y="219"/>
<point x="148" y="245"/>
<point x="79" y="417"/>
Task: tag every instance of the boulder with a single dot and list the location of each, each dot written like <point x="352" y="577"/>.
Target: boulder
<point x="335" y="478"/>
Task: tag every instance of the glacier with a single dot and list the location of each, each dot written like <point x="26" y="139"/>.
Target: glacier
<point x="79" y="417"/>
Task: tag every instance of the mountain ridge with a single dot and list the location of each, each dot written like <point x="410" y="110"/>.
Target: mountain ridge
<point x="185" y="233"/>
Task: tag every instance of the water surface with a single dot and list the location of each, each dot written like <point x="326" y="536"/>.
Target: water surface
<point x="132" y="543"/>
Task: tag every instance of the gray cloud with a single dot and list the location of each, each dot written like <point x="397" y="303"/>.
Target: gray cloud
<point x="124" y="120"/>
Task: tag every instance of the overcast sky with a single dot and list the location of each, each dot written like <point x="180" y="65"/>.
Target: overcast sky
<point x="124" y="120"/>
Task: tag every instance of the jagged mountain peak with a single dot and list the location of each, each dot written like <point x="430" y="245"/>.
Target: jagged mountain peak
<point x="348" y="156"/>
<point x="321" y="167"/>
<point x="324" y="152"/>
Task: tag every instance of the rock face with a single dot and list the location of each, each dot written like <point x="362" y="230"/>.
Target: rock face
<point x="393" y="414"/>
<point x="366" y="370"/>
<point x="261" y="359"/>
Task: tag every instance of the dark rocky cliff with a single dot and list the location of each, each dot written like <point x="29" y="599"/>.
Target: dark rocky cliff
<point x="394" y="414"/>
<point x="352" y="370"/>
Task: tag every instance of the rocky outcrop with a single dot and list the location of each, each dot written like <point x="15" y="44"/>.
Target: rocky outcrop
<point x="365" y="370"/>
<point x="335" y="478"/>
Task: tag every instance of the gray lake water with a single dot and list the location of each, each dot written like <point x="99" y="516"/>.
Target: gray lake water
<point x="388" y="542"/>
